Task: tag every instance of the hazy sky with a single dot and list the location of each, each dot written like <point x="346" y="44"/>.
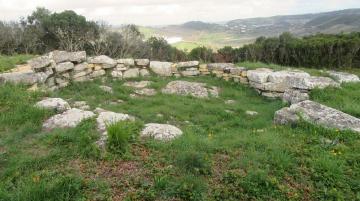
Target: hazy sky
<point x="160" y="12"/>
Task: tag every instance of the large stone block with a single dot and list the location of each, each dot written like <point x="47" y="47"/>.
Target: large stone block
<point x="105" y="61"/>
<point x="161" y="68"/>
<point x="126" y="62"/>
<point x="259" y="75"/>
<point x="62" y="67"/>
<point x="39" y="62"/>
<point x="187" y="64"/>
<point x="325" y="116"/>
<point x="142" y="62"/>
<point x="131" y="73"/>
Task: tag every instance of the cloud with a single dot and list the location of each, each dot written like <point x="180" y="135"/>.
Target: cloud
<point x="158" y="12"/>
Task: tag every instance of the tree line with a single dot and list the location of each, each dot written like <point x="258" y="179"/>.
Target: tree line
<point x="320" y="50"/>
<point x="44" y="31"/>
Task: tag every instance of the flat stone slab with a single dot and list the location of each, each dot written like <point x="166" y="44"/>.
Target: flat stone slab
<point x="186" y="88"/>
<point x="343" y="77"/>
<point x="313" y="82"/>
<point x="322" y="115"/>
<point x="69" y="119"/>
<point x="27" y="77"/>
<point x="57" y="104"/>
<point x="138" y="85"/>
<point x="164" y="132"/>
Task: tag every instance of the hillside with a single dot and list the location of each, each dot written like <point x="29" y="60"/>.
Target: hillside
<point x="242" y="31"/>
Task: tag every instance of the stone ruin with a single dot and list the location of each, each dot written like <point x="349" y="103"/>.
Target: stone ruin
<point x="60" y="68"/>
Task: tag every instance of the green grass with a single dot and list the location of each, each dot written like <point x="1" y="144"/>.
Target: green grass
<point x="346" y="99"/>
<point x="221" y="155"/>
<point x="9" y="62"/>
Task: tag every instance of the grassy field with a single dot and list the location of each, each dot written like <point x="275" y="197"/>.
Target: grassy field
<point x="9" y="62"/>
<point x="224" y="154"/>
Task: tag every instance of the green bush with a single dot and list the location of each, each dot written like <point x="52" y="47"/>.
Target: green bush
<point x="194" y="162"/>
<point x="121" y="134"/>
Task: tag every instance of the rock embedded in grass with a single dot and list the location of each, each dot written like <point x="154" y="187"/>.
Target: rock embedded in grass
<point x="251" y="113"/>
<point x="163" y="132"/>
<point x="106" y="89"/>
<point x="69" y="119"/>
<point x="57" y="104"/>
<point x="186" y="88"/>
<point x="343" y="77"/>
<point x="106" y="118"/>
<point x="318" y="114"/>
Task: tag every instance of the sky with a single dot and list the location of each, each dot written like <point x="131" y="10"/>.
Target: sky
<point x="165" y="12"/>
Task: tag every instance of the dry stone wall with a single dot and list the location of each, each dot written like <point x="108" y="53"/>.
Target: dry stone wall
<point x="59" y="68"/>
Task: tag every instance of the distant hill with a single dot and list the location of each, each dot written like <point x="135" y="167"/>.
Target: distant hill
<point x="242" y="31"/>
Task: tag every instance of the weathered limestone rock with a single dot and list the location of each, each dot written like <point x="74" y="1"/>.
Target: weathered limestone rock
<point x="144" y="73"/>
<point x="82" y="105"/>
<point x="139" y="85"/>
<point x="343" y="77"/>
<point x="269" y="86"/>
<point x="272" y="94"/>
<point x="121" y="67"/>
<point x="219" y="66"/>
<point x="186" y="88"/>
<point x="106" y="118"/>
<point x="131" y="73"/>
<point x="325" y="116"/>
<point x="146" y="92"/>
<point x="286" y="116"/>
<point x="81" y="67"/>
<point x="287" y="76"/>
<point x="127" y="62"/>
<point x="188" y="73"/>
<point x="142" y="62"/>
<point x="294" y="96"/>
<point x="187" y="64"/>
<point x="117" y="74"/>
<point x="260" y="75"/>
<point x="97" y="73"/>
<point x="161" y="68"/>
<point x="77" y="57"/>
<point x="163" y="132"/>
<point x="105" y="61"/>
<point x="39" y="62"/>
<point x="69" y="119"/>
<point x="251" y="113"/>
<point x="57" y="104"/>
<point x="61" y="67"/>
<point x="59" y="56"/>
<point x="28" y="78"/>
<point x="82" y="79"/>
<point x="313" y="82"/>
<point x="318" y="114"/>
<point x="106" y="89"/>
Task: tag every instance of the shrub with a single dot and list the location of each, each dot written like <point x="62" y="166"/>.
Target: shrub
<point x="194" y="162"/>
<point x="121" y="134"/>
<point x="190" y="188"/>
